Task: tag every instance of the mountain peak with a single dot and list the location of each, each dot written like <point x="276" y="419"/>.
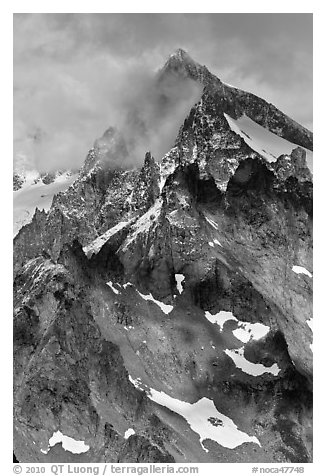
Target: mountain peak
<point x="181" y="64"/>
<point x="180" y="57"/>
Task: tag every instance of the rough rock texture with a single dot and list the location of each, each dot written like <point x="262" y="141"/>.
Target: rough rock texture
<point x="293" y="166"/>
<point x="18" y="181"/>
<point x="86" y="326"/>
<point x="235" y="102"/>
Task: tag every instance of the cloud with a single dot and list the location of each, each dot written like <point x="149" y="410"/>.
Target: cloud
<point x="66" y="109"/>
<point x="77" y="74"/>
<point x="147" y="117"/>
<point x="153" y="114"/>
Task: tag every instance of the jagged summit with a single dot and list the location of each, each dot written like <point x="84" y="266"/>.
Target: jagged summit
<point x="180" y="63"/>
<point x="181" y="55"/>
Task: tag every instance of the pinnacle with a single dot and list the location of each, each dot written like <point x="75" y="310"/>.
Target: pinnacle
<point x="181" y="55"/>
<point x="178" y="61"/>
<point x="180" y="52"/>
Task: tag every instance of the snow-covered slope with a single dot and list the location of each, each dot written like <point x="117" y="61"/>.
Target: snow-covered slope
<point x="203" y="418"/>
<point x="267" y="144"/>
<point x="96" y="245"/>
<point x="37" y="195"/>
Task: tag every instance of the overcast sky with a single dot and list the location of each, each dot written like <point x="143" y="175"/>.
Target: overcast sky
<point x="73" y="72"/>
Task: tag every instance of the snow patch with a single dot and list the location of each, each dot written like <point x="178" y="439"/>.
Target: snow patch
<point x="128" y="433"/>
<point x="203" y="418"/>
<point x="95" y="246"/>
<point x="301" y="270"/>
<point x="237" y="355"/>
<point x="136" y="382"/>
<point x="220" y="318"/>
<point x="212" y="223"/>
<point x="179" y="278"/>
<point x="68" y="443"/>
<point x="126" y="285"/>
<point x="261" y="140"/>
<point x="166" y="308"/>
<point x="116" y="291"/>
<point x="211" y="243"/>
<point x="37" y="195"/>
<point x="144" y="223"/>
<point x="247" y="331"/>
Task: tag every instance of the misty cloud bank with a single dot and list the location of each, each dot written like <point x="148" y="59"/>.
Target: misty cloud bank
<point x="75" y="75"/>
<point x="57" y="125"/>
<point x="148" y="116"/>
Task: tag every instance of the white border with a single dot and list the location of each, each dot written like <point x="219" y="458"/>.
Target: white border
<point x="319" y="196"/>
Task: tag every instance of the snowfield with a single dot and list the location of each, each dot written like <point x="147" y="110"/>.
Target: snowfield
<point x="95" y="246"/>
<point x="220" y="318"/>
<point x="261" y="140"/>
<point x="237" y="355"/>
<point x="202" y="417"/>
<point x="144" y="223"/>
<point x="245" y="331"/>
<point x="166" y="308"/>
<point x="36" y="195"/>
<point x="68" y="443"/>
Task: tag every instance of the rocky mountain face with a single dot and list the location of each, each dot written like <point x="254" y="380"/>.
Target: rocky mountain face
<point x="19" y="178"/>
<point x="163" y="313"/>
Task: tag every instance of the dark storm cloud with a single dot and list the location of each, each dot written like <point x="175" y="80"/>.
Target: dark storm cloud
<point x="75" y="74"/>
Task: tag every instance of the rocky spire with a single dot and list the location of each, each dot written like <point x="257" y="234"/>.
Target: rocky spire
<point x="181" y="56"/>
<point x="180" y="63"/>
<point x="147" y="189"/>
